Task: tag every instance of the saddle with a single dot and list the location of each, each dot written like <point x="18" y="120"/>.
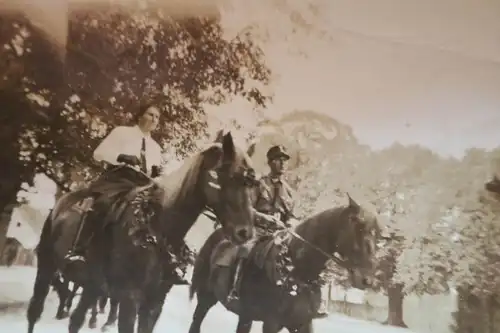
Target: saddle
<point x="265" y="253"/>
<point x="108" y="200"/>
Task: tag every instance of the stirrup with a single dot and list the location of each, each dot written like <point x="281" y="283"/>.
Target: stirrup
<point x="71" y="257"/>
<point x="233" y="296"/>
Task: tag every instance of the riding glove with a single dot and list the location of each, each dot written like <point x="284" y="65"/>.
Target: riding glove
<point x="155" y="171"/>
<point x="128" y="159"/>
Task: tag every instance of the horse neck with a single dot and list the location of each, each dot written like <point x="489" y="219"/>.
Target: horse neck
<point x="182" y="217"/>
<point x="309" y="257"/>
<point x="182" y="200"/>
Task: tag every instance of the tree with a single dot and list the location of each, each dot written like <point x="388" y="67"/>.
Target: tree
<point x="304" y="133"/>
<point x="478" y="236"/>
<point x="115" y="59"/>
<point x="416" y="259"/>
<point x="403" y="183"/>
<point x="23" y="49"/>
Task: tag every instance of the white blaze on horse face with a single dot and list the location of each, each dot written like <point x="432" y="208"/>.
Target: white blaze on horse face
<point x="214" y="176"/>
<point x="214" y="185"/>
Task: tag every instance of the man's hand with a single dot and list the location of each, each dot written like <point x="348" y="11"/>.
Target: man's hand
<point x="272" y="221"/>
<point x="128" y="159"/>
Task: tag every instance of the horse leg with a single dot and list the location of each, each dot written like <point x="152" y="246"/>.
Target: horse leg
<point x="206" y="300"/>
<point x="87" y="299"/>
<point x="112" y="316"/>
<point x="63" y="292"/>
<point x="306" y="328"/>
<point x="150" y="310"/>
<point x="271" y="326"/>
<point x="244" y="325"/>
<point x="128" y="313"/>
<point x="93" y="316"/>
<point x="44" y="276"/>
<point x="102" y="303"/>
<point x="69" y="302"/>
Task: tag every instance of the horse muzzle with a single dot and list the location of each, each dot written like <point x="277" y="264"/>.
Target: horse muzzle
<point x="361" y="280"/>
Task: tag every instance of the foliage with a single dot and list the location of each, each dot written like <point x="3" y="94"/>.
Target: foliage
<point x="420" y="196"/>
<point x="478" y="231"/>
<point x="23" y="49"/>
<point x="114" y="61"/>
<point x="477" y="239"/>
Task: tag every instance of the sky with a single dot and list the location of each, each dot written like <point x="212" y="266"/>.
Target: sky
<point x="421" y="71"/>
<point x="414" y="71"/>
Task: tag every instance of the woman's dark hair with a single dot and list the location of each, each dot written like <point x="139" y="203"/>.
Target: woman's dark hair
<point x="143" y="107"/>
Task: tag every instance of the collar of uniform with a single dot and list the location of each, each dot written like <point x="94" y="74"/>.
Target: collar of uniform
<point x="144" y="135"/>
<point x="276" y="180"/>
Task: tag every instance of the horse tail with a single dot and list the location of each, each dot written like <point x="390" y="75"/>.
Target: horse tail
<point x="201" y="270"/>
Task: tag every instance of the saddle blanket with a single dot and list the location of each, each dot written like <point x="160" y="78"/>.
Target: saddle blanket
<point x="264" y="252"/>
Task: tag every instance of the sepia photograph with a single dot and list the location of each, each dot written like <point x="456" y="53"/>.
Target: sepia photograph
<point x="203" y="166"/>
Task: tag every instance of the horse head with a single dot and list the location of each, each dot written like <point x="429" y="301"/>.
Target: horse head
<point x="227" y="177"/>
<point x="359" y="241"/>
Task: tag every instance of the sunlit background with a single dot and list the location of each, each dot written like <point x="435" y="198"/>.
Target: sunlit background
<point x="425" y="71"/>
<point x="422" y="71"/>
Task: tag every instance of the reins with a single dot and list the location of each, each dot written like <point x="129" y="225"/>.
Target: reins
<point x="336" y="259"/>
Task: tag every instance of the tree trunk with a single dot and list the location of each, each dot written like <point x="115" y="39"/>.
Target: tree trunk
<point x="13" y="172"/>
<point x="396" y="298"/>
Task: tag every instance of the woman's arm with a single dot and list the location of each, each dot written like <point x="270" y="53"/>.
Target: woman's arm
<point x="109" y="149"/>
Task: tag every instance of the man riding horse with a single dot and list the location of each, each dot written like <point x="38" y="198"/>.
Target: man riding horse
<point x="273" y="204"/>
<point x="132" y="146"/>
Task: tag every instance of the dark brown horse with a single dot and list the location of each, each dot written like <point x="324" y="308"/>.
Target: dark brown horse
<point x="280" y="283"/>
<point x="66" y="296"/>
<point x="139" y="275"/>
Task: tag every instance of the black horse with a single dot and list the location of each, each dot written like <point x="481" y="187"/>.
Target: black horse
<point x="66" y="296"/>
<point x="139" y="274"/>
<point x="281" y="279"/>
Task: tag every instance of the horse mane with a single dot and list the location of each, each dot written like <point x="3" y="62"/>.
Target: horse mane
<point x="181" y="181"/>
<point x="310" y="224"/>
<point x="326" y="231"/>
<point x="67" y="200"/>
<point x="319" y="234"/>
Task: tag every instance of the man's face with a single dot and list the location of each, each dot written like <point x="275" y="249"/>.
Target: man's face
<point x="278" y="165"/>
<point x="150" y="119"/>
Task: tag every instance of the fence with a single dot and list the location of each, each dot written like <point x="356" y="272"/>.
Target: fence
<point x="426" y="314"/>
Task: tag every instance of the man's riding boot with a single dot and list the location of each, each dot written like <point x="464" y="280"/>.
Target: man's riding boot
<point x="77" y="252"/>
<point x="234" y="293"/>
<point x="322" y="311"/>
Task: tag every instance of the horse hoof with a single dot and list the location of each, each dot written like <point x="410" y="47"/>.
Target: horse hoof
<point x="92" y="325"/>
<point x="62" y="315"/>
<point x="106" y="327"/>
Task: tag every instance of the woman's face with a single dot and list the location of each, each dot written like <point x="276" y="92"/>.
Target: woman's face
<point x="150" y="119"/>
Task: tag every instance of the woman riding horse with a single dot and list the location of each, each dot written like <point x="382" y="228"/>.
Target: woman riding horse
<point x="125" y="145"/>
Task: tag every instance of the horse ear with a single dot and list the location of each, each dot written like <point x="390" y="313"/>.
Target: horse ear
<point x="228" y="147"/>
<point x="219" y="136"/>
<point x="251" y="150"/>
<point x="213" y="156"/>
<point x="352" y="203"/>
